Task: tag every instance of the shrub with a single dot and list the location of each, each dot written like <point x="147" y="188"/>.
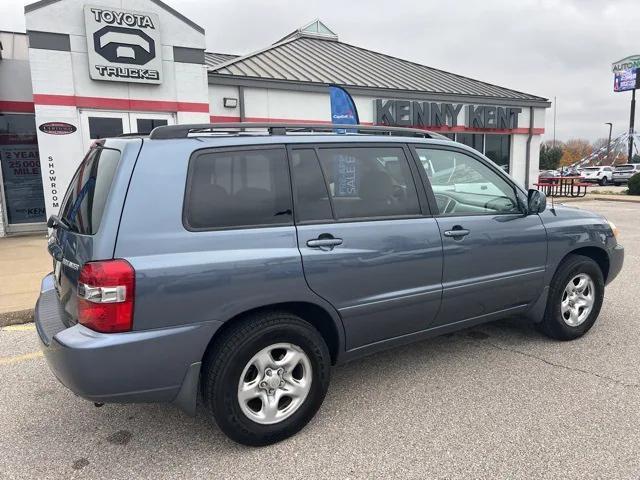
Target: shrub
<point x="634" y="185"/>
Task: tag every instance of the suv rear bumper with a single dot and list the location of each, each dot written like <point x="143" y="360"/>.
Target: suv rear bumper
<point x="137" y="366"/>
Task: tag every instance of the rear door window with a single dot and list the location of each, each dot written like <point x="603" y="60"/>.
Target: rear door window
<point x="239" y="188"/>
<point x="369" y="182"/>
<point x="86" y="196"/>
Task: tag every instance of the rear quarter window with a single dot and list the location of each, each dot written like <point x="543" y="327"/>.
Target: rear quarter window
<point x="238" y="189"/>
<point x="87" y="194"/>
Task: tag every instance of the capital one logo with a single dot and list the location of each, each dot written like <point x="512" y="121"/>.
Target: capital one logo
<point x="124" y="45"/>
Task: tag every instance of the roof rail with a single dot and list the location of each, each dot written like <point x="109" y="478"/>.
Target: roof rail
<point x="183" y="131"/>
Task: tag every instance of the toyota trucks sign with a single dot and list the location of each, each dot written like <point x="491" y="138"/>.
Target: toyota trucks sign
<point x="123" y="45"/>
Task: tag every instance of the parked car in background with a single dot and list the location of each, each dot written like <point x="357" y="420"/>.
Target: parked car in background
<point x="238" y="265"/>
<point x="622" y="173"/>
<point x="602" y="175"/>
<point x="569" y="171"/>
<point x="549" y="174"/>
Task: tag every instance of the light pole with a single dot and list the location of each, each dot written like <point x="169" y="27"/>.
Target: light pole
<point x="609" y="142"/>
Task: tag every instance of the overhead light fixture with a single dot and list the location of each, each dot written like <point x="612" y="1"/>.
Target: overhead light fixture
<point x="230" y="102"/>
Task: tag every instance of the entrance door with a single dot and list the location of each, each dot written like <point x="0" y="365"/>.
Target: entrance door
<point x="101" y="124"/>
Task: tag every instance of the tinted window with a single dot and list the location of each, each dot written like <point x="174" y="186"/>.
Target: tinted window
<point x="87" y="193"/>
<point x="497" y="149"/>
<point x="145" y="125"/>
<point x="369" y="182"/>
<point x="239" y="188"/>
<point x="473" y="140"/>
<point x="103" y="127"/>
<point x="312" y="199"/>
<point x="463" y="184"/>
<point x="20" y="164"/>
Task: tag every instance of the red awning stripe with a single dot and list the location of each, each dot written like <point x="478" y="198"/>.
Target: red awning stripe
<point x="8" y="106"/>
<point x="119" y="103"/>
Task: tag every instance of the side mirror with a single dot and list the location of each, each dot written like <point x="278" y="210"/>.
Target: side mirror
<point x="536" y="202"/>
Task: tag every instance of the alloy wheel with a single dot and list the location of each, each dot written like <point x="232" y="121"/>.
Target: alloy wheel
<point x="274" y="383"/>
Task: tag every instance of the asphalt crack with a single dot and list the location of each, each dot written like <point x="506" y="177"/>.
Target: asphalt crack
<point x="558" y="365"/>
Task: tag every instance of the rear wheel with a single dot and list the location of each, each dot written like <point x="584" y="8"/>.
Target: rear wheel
<point x="575" y="298"/>
<point x="604" y="181"/>
<point x="266" y="378"/>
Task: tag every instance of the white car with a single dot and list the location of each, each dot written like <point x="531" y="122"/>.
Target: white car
<point x="623" y="173"/>
<point x="602" y="175"/>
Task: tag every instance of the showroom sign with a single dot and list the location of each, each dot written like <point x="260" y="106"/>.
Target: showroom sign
<point x="412" y="113"/>
<point x="123" y="45"/>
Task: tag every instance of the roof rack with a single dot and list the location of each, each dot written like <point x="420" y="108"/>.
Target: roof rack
<point x="183" y="131"/>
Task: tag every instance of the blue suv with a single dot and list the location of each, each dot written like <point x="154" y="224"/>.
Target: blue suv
<point x="236" y="263"/>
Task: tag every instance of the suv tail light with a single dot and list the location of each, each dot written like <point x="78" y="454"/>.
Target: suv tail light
<point x="106" y="291"/>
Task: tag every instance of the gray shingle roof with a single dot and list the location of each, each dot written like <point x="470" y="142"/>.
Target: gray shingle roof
<point x="308" y="58"/>
<point x="211" y="59"/>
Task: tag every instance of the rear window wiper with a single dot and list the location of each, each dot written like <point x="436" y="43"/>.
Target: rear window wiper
<point x="55" y="221"/>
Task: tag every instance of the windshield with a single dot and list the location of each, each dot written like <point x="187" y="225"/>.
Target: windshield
<point x="87" y="193"/>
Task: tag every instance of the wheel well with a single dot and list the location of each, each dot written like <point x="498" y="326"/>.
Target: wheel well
<point x="317" y="316"/>
<point x="597" y="254"/>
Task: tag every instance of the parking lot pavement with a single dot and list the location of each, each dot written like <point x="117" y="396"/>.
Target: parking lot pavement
<point x="497" y="401"/>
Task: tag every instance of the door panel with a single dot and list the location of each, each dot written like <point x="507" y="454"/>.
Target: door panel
<point x="494" y="255"/>
<point x="499" y="265"/>
<point x="384" y="278"/>
<point x="366" y="246"/>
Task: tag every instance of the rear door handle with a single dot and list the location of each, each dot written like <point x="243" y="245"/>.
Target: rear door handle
<point x="457" y="232"/>
<point x="324" y="243"/>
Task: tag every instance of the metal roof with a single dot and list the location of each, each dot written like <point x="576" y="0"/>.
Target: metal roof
<point x="211" y="59"/>
<point x="312" y="59"/>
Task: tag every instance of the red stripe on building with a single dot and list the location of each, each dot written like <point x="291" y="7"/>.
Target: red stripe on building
<point x="18" y="107"/>
<point x="119" y="103"/>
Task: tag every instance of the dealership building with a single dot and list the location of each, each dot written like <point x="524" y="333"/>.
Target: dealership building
<point x="87" y="70"/>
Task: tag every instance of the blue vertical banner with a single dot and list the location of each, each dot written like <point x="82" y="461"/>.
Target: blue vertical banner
<point x="343" y="108"/>
<point x="346" y="172"/>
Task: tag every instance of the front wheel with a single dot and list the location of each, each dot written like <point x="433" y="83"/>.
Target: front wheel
<point x="266" y="378"/>
<point x="575" y="298"/>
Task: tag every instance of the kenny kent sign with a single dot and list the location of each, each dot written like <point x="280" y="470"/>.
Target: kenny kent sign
<point x="123" y="45"/>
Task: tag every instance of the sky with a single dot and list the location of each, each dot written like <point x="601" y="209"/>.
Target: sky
<point x="559" y="49"/>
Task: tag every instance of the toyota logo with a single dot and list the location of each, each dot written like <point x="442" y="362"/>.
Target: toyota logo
<point x="124" y="45"/>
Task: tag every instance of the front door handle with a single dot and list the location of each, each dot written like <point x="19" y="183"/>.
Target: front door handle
<point x="324" y="242"/>
<point x="457" y="232"/>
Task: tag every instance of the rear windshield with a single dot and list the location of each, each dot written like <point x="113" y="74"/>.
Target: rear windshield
<point x="87" y="193"/>
<point x="624" y="167"/>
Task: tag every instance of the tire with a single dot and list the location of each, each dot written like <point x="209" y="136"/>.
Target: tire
<point x="604" y="181"/>
<point x="558" y="321"/>
<point x="234" y="363"/>
<point x="616" y="184"/>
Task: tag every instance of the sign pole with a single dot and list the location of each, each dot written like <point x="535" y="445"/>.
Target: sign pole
<point x="632" y="118"/>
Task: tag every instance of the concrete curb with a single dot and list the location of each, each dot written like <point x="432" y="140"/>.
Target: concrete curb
<point x="601" y="198"/>
<point x="16" y="318"/>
